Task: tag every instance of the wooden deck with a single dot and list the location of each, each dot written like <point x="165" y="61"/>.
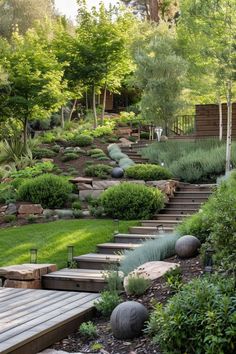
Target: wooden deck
<point x="32" y="320"/>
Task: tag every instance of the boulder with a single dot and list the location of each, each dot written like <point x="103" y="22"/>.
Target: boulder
<point x="127" y="320"/>
<point x="84" y="186"/>
<point x="117" y="172"/>
<point x="168" y="187"/>
<point x="11" y="209"/>
<point x="104" y="184"/>
<point x="187" y="246"/>
<point x="3" y="209"/>
<point x="30" y="209"/>
<point x="86" y="180"/>
<point x="150" y="270"/>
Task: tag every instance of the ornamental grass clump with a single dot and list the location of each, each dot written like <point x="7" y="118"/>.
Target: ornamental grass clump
<point x="148" y="172"/>
<point x="130" y="201"/>
<point x="161" y="247"/>
<point x="48" y="190"/>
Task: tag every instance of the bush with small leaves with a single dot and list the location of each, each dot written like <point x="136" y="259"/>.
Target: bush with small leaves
<point x="99" y="170"/>
<point x="9" y="218"/>
<point x="48" y="190"/>
<point x="137" y="285"/>
<point x="69" y="157"/>
<point x="130" y="201"/>
<point x="107" y="302"/>
<point x="198" y="319"/>
<point x="40" y="153"/>
<point x="82" y="140"/>
<point x="173" y="278"/>
<point x="147" y="172"/>
<point x="76" y="205"/>
<point x="88" y="330"/>
<point x="56" y="148"/>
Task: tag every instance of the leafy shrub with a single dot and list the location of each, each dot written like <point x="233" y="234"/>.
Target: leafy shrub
<point x="107" y="302"/>
<point x="95" y="152"/>
<point x="56" y="148"/>
<point x="7" y="194"/>
<point x="154" y="250"/>
<point x="99" y="170"/>
<point x="102" y="131"/>
<point x="147" y="172"/>
<point x="173" y="278"/>
<point x="137" y="285"/>
<point x="198" y="225"/>
<point x="77" y="213"/>
<point x="33" y="171"/>
<point x="69" y="157"/>
<point x="77" y="205"/>
<point x="88" y="330"/>
<point x="48" y="138"/>
<point x="144" y="135"/>
<point x="82" y="140"/>
<point x="131" y="201"/>
<point x="198" y="319"/>
<point x="40" y="153"/>
<point x="9" y="218"/>
<point x="114" y="280"/>
<point x="48" y="190"/>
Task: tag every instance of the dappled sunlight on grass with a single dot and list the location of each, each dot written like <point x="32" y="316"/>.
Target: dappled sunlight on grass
<point x="52" y="240"/>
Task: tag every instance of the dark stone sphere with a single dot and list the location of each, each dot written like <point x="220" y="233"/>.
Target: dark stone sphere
<point x="127" y="320"/>
<point x="187" y="246"/>
<point x="117" y="172"/>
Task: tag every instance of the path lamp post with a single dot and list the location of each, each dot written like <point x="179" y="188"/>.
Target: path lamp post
<point x="158" y="131"/>
<point x="208" y="262"/>
<point x="116" y="223"/>
<point x="33" y="255"/>
<point x="70" y="255"/>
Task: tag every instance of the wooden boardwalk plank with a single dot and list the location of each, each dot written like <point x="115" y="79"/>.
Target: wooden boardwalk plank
<point x="34" y="319"/>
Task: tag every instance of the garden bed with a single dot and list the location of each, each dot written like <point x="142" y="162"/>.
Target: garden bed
<point x="106" y="343"/>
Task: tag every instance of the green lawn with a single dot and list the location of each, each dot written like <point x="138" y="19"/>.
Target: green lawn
<point x="52" y="239"/>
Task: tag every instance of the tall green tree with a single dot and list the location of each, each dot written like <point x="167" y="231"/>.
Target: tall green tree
<point x="22" y="14"/>
<point x="160" y="74"/>
<point x="35" y="80"/>
<point x="211" y="27"/>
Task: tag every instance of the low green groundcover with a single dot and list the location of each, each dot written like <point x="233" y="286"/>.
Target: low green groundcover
<point x="52" y="239"/>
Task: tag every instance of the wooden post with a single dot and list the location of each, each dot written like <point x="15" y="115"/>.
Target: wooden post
<point x="229" y="127"/>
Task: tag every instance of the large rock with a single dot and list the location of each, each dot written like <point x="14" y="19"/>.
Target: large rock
<point x="11" y="209"/>
<point x="127" y="320"/>
<point x="117" y="172"/>
<point x="168" y="187"/>
<point x="187" y="246"/>
<point x="86" y="180"/>
<point x="30" y="209"/>
<point x="84" y="186"/>
<point x="150" y="270"/>
<point x="104" y="184"/>
<point x="26" y="271"/>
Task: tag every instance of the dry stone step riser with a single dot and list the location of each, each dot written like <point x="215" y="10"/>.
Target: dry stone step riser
<point x="178" y="217"/>
<point x="75" y="280"/>
<point x="149" y="230"/>
<point x="184" y="206"/>
<point x="133" y="238"/>
<point x="191" y="199"/>
<point x="190" y="194"/>
<point x="115" y="248"/>
<point x="97" y="261"/>
<point x="172" y="211"/>
<point x="164" y="223"/>
<point x="197" y="187"/>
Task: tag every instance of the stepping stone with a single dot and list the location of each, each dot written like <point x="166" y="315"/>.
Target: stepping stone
<point x="97" y="261"/>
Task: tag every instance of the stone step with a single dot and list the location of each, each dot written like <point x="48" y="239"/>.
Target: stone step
<point x="196" y="187"/>
<point x="170" y="216"/>
<point x="181" y="211"/>
<point x="91" y="280"/>
<point x="189" y="199"/>
<point x="162" y="223"/>
<point x="138" y="159"/>
<point x="97" y="261"/>
<point x="135" y="238"/>
<point x="193" y="193"/>
<point x="183" y="205"/>
<point x="149" y="230"/>
<point x="115" y="248"/>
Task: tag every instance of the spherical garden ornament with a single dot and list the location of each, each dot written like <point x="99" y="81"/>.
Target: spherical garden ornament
<point x="127" y="320"/>
<point x="117" y="172"/>
<point x="187" y="246"/>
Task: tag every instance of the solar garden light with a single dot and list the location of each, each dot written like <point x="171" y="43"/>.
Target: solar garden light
<point x="208" y="262"/>
<point x="33" y="255"/>
<point x="70" y="255"/>
<point x="158" y="131"/>
<point x="116" y="223"/>
<point x="160" y="229"/>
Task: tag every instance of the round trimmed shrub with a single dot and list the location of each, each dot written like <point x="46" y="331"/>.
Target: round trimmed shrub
<point x="99" y="170"/>
<point x="48" y="190"/>
<point x="131" y="201"/>
<point x="147" y="172"/>
<point x="40" y="153"/>
<point x="69" y="157"/>
<point x="82" y="140"/>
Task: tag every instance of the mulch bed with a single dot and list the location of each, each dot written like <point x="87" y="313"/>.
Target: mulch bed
<point x="158" y="292"/>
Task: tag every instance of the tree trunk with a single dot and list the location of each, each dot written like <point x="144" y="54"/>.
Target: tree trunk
<point x="229" y="127"/>
<point x="25" y="133"/>
<point x="62" y="118"/>
<point x="86" y="100"/>
<point x="95" y="124"/>
<point x="220" y="119"/>
<point x="72" y="109"/>
<point x="104" y="103"/>
<point x="154" y="10"/>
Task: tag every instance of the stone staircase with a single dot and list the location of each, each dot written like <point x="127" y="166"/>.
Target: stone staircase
<point x="134" y="155"/>
<point x="91" y="267"/>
